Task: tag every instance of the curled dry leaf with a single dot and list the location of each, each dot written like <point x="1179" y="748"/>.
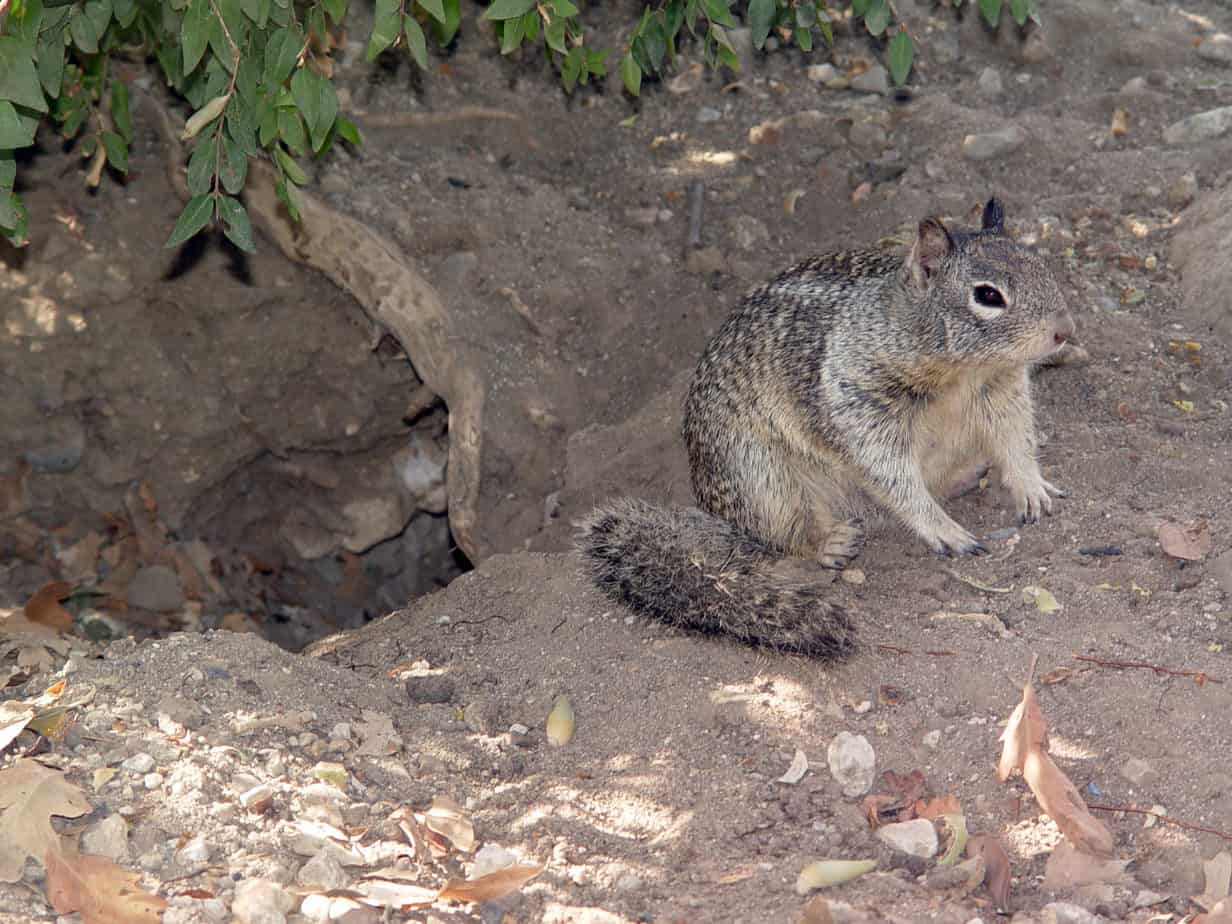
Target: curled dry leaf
<point x="1060" y="799"/>
<point x="822" y="874"/>
<point x="938" y="806"/>
<point x="996" y="868"/>
<point x="561" y="722"/>
<point x="394" y="888"/>
<point x="450" y="820"/>
<point x="1043" y="599"/>
<point x="1189" y="541"/>
<point x="30" y="794"/>
<point x="14" y="717"/>
<point x="1025" y="730"/>
<point x="799" y="767"/>
<point x="103" y="892"/>
<point x="44" y="607"/>
<point x="956" y="828"/>
<point x="492" y="886"/>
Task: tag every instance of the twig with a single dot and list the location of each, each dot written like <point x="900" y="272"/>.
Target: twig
<point x="1188" y="826"/>
<point x="894" y="649"/>
<point x="972" y="582"/>
<point x="697" y="198"/>
<point x="1200" y="677"/>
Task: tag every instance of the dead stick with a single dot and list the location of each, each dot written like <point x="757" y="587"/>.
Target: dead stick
<point x="697" y="198"/>
<point x="1188" y="826"/>
<point x="1200" y="677"/>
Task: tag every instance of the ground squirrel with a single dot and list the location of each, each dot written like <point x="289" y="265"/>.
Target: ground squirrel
<point x="852" y="381"/>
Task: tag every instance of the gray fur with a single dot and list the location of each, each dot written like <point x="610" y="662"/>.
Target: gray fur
<point x="852" y="381"/>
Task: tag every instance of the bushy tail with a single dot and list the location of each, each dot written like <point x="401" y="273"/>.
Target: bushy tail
<point x="688" y="569"/>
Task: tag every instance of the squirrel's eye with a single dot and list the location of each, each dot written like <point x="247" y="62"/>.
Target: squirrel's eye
<point x="989" y="297"/>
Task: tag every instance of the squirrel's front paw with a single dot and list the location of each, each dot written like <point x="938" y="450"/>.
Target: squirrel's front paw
<point x="955" y="542"/>
<point x="1033" y="498"/>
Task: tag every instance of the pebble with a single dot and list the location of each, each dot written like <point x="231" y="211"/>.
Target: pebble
<point x="867" y="135"/>
<point x="1066" y="913"/>
<point x="152" y="780"/>
<point x="852" y="763"/>
<point x="258" y="799"/>
<point x="1216" y="48"/>
<point x="1139" y="772"/>
<point x="932" y="739"/>
<point x="917" y="837"/>
<point x="157" y="588"/>
<point x="108" y="838"/>
<point x="1183" y="190"/>
<point x="1201" y="126"/>
<point x="139" y="763"/>
<point x="490" y="858"/>
<point x="259" y="901"/>
<point x="323" y="871"/>
<point x="990" y="83"/>
<point x="196" y="851"/>
<point x="987" y="145"/>
<point x="822" y="73"/>
<point x="708" y="114"/>
<point x="748" y="232"/>
<point x="64" y="444"/>
<point x="874" y="80"/>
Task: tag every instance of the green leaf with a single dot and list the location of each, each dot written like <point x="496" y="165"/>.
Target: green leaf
<point x="762" y="14"/>
<point x="291" y="130"/>
<point x="507" y="9"/>
<point x="241" y="124"/>
<point x="596" y="61"/>
<point x="899" y="55"/>
<point x="17" y="126"/>
<point x="1021" y="11"/>
<point x="247" y="77"/>
<point x="25" y="21"/>
<point x="201" y="167"/>
<point x="861" y="7"/>
<point x="8" y="208"/>
<point x="416" y="44"/>
<point x="631" y="74"/>
<point x="233" y="169"/>
<point x="99" y="14"/>
<point x="717" y="11"/>
<point x="571" y="69"/>
<point x="317" y="101"/>
<point x="195" y="34"/>
<point x="196" y="215"/>
<point x="348" y="132"/>
<point x="804" y="38"/>
<point x="17" y="233"/>
<point x="434" y="8"/>
<point x="281" y="53"/>
<point x="19" y="81"/>
<point x="235" y="224"/>
<point x="251" y="9"/>
<point x="119" y="110"/>
<point x="385" y="31"/>
<point x="288" y="197"/>
<point x="51" y="53"/>
<point x="446" y="30"/>
<point x="530" y="26"/>
<point x="806" y="15"/>
<point x="125" y="12"/>
<point x="563" y="8"/>
<point x="877" y="18"/>
<point x="337" y="10"/>
<point x="554" y="35"/>
<point x="8" y="169"/>
<point x="293" y="170"/>
<point x="512" y="33"/>
<point x="81" y="28"/>
<point x="991" y="10"/>
<point x="117" y="151"/>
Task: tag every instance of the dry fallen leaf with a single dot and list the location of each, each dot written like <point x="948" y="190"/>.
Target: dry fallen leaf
<point x="1043" y="599"/>
<point x="492" y="886"/>
<point x="44" y="607"/>
<point x="1060" y="799"/>
<point x="824" y="873"/>
<point x="30" y="794"/>
<point x="1120" y="124"/>
<point x="561" y="722"/>
<point x="816" y="911"/>
<point x="1025" y="730"/>
<point x="394" y="888"/>
<point x="78" y="562"/>
<point x="450" y="820"/>
<point x="1189" y="541"/>
<point x="936" y="807"/>
<point x="103" y="892"/>
<point x="1069" y="868"/>
<point x="996" y="868"/>
<point x="14" y="717"/>
<point x="799" y="767"/>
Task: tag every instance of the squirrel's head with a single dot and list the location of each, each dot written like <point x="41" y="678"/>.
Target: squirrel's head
<point x="986" y="295"/>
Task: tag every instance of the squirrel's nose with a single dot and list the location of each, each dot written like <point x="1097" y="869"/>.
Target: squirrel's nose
<point x="1064" y="329"/>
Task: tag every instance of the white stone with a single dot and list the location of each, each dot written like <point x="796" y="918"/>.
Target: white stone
<point x="917" y="837"/>
<point x="852" y="763"/>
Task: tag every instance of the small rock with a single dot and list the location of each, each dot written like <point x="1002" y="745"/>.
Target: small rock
<point x="1146" y="898"/>
<point x="108" y="838"/>
<point x="323" y="871"/>
<point x="990" y="83"/>
<point x="152" y="781"/>
<point x="155" y="587"/>
<point x="195" y="852"/>
<point x="932" y="739"/>
<point x="867" y="135"/>
<point x="482" y="717"/>
<point x="1183" y="191"/>
<point x="1066" y="913"/>
<point x="917" y="837"/>
<point x="1133" y="86"/>
<point x="641" y="217"/>
<point x="749" y="232"/>
<point x="139" y="763"/>
<point x="490" y="858"/>
<point x="705" y="261"/>
<point x="874" y="80"/>
<point x="1201" y="126"/>
<point x="433" y="688"/>
<point x="1220" y="569"/>
<point x="852" y="763"/>
<point x="997" y="143"/>
<point x="374" y="519"/>
<point x="259" y="901"/>
<point x="627" y="884"/>
<point x="1036" y="50"/>
<point x="708" y="114"/>
<point x="259" y="799"/>
<point x="1216" y="48"/>
<point x="822" y="73"/>
<point x="1139" y="772"/>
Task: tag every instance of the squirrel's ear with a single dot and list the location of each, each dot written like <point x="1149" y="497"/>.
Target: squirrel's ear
<point x="994" y="216"/>
<point x="932" y="245"/>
